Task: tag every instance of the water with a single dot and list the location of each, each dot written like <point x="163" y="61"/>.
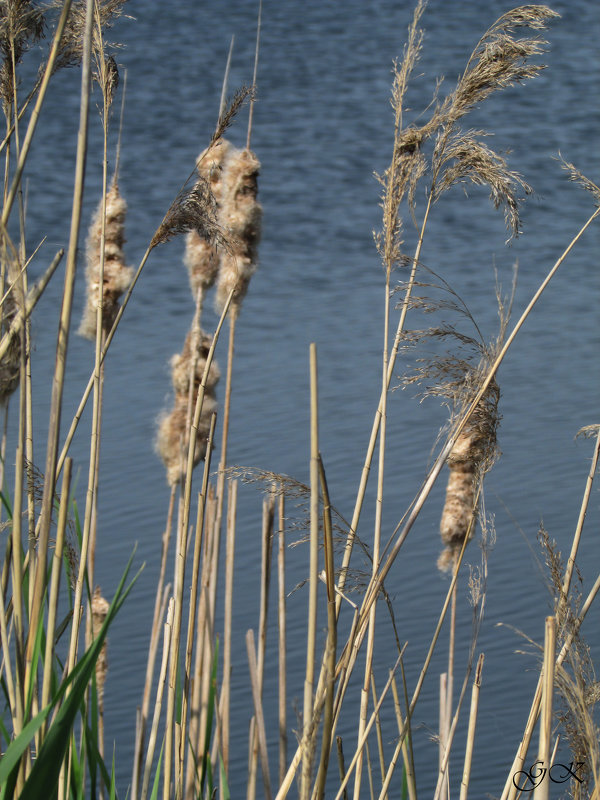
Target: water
<point x="322" y="126"/>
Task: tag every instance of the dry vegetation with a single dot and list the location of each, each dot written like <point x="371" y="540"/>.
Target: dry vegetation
<point x="53" y="669"/>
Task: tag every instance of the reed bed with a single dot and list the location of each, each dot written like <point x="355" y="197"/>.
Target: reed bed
<point x="52" y="737"/>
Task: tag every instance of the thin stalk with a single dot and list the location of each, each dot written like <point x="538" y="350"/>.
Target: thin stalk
<point x="423" y="673"/>
<point x="409" y="767"/>
<point x="364" y="697"/>
<point x="258" y="713"/>
<point x="541" y="791"/>
<point x="341" y="764"/>
<point x="331" y="642"/>
<point x="267" y="542"/>
<point x="153" y="648"/>
<point x="180" y="569"/>
<point x="378" y="730"/>
<point x="168" y="626"/>
<point x="202" y="659"/>
<point x="198" y="541"/>
<point x="55" y="582"/>
<point x="251" y="112"/>
<point x="313" y="580"/>
<point x="466" y="775"/>
<point x="368" y="727"/>
<point x="65" y="314"/>
<point x="509" y="791"/>
<point x="281" y="618"/>
<point x="227" y="622"/>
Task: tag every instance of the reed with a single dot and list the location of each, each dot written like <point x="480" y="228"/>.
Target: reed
<point x="52" y="734"/>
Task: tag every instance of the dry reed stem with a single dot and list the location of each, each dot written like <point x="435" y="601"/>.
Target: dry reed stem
<point x="203" y="656"/>
<point x="258" y="713"/>
<point x="180" y="573"/>
<point x="519" y="760"/>
<point x="307" y="714"/>
<point x="65" y="318"/>
<point x="281" y="629"/>
<point x="167" y="632"/>
<point x="158" y="615"/>
<point x="198" y="546"/>
<point x="227" y="621"/>
<point x="341" y="764"/>
<point x="375" y="586"/>
<point x="541" y="792"/>
<point x="330" y="643"/>
<point x="265" y="571"/>
<point x="409" y="767"/>
<point x="367" y="730"/>
<point x="55" y="581"/>
<point x="379" y="732"/>
<point x="466" y="775"/>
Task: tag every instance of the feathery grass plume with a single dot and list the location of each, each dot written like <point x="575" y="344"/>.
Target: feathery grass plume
<point x="192" y="210"/>
<point x="10" y="364"/>
<point x="181" y="365"/>
<point x="201" y="256"/>
<point x="240" y="216"/>
<point x="71" y="44"/>
<point x="174" y="435"/>
<point x="117" y="276"/>
<point x="21" y="25"/>
<point x="577" y="176"/>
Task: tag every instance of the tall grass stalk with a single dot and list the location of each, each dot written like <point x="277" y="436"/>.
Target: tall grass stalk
<point x="534" y="711"/>
<point x="542" y="791"/>
<point x="466" y="774"/>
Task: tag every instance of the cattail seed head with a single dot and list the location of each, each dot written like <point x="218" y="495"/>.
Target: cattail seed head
<point x="100" y="608"/>
<point x="174" y="435"/>
<point x="240" y="216"/>
<point x="468" y="460"/>
<point x="201" y="257"/>
<point x="117" y="276"/>
<point x="181" y="364"/>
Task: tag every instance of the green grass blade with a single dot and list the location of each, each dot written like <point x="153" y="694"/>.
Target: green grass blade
<point x="156" y="783"/>
<point x="46" y="768"/>
<point x="17" y="747"/>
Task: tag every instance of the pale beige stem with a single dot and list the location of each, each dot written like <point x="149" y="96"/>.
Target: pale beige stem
<point x="542" y="790"/>
<point x="466" y="775"/>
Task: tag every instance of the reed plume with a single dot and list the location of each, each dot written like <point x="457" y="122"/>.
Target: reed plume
<point x="117" y="276"/>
